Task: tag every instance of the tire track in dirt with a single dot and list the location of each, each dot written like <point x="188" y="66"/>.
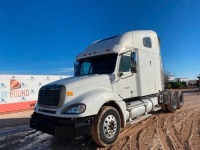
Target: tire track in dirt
<point x="140" y="136"/>
<point x="172" y="133"/>
<point x="148" y="137"/>
<point x="164" y="130"/>
<point x="190" y="136"/>
<point x="194" y="132"/>
<point x="187" y="128"/>
<point x="181" y="120"/>
<point x="132" y="135"/>
<point x="196" y="136"/>
<point x="161" y="132"/>
<point x="157" y="132"/>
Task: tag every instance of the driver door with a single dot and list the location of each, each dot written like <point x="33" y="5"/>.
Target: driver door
<point x="126" y="84"/>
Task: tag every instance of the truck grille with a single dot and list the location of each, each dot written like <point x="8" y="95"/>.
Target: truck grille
<point x="51" y="95"/>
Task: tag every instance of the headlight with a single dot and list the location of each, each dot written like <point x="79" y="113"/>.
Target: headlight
<point x="74" y="109"/>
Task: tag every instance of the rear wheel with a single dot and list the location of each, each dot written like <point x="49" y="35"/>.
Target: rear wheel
<point x="106" y="126"/>
<point x="166" y="98"/>
<point x="172" y="105"/>
<point x="180" y="100"/>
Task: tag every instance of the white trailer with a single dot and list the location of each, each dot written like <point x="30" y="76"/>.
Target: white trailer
<point x="117" y="80"/>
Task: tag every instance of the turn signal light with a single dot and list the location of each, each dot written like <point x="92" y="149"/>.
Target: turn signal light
<point x="70" y="93"/>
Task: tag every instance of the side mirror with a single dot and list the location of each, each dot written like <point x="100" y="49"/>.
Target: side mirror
<point x="134" y="62"/>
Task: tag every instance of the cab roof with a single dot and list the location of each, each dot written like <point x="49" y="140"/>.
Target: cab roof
<point x="120" y="43"/>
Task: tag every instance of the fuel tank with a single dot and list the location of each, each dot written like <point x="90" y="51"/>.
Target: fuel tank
<point x="140" y="107"/>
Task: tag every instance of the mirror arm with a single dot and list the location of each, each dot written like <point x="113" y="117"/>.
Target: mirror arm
<point x="120" y="74"/>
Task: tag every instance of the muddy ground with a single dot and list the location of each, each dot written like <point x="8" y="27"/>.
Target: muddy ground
<point x="162" y="130"/>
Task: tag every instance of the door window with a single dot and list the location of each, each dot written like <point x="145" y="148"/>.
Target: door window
<point x="125" y="63"/>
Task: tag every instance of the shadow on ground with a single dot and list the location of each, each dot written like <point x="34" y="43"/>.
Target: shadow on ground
<point x="12" y="122"/>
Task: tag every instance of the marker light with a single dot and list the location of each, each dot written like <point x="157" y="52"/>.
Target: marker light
<point x="70" y="93"/>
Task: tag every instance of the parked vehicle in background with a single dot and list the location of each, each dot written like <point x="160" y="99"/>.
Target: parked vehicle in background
<point x="178" y="83"/>
<point x="118" y="80"/>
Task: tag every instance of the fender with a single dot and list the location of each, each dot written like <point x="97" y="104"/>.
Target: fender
<point x="94" y="100"/>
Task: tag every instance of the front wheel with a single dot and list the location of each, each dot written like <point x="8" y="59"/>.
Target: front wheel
<point x="106" y="126"/>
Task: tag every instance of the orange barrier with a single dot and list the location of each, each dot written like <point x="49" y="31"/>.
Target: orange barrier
<point x="15" y="107"/>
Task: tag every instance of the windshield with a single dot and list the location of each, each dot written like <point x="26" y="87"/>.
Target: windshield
<point x="104" y="64"/>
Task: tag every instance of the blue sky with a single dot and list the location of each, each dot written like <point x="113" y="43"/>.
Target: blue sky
<point x="45" y="36"/>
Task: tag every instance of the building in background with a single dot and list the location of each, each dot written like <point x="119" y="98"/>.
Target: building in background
<point x="168" y="78"/>
<point x="182" y="80"/>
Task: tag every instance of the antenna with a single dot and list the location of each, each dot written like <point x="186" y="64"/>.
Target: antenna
<point x="132" y="35"/>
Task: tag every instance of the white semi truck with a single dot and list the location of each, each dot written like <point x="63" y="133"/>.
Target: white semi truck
<point x="118" y="80"/>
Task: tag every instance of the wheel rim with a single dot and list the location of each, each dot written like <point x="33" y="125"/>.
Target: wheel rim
<point x="110" y="126"/>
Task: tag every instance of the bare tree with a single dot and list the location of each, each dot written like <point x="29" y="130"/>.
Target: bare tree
<point x="166" y="77"/>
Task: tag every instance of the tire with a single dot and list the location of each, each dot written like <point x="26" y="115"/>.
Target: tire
<point x="172" y="105"/>
<point x="180" y="100"/>
<point x="106" y="126"/>
<point x="163" y="107"/>
<point x="169" y="86"/>
<point x="166" y="98"/>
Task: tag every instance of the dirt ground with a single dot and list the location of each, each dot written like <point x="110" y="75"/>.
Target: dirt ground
<point x="179" y="130"/>
<point x="162" y="130"/>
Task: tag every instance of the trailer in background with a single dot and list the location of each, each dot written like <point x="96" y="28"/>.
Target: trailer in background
<point x="20" y="92"/>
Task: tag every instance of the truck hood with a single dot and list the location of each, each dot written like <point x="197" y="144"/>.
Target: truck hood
<point x="89" y="81"/>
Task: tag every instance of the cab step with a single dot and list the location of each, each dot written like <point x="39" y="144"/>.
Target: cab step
<point x="157" y="108"/>
<point x="139" y="119"/>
